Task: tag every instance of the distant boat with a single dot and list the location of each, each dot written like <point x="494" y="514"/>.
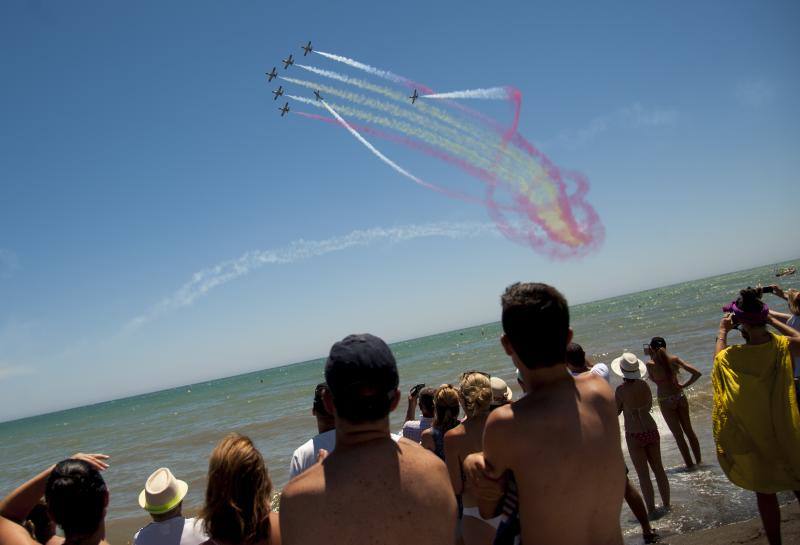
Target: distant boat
<point x="785" y="271"/>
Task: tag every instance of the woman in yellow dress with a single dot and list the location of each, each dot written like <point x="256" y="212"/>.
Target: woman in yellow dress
<point x="755" y="416"/>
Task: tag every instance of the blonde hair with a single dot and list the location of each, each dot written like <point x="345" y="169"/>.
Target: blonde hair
<point x="445" y="402"/>
<point x="793" y="298"/>
<point x="238" y="492"/>
<point x="475" y="391"/>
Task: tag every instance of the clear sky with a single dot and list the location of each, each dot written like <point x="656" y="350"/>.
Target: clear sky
<point x="140" y="145"/>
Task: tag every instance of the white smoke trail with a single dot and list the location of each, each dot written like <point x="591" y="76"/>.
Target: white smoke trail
<point x="517" y="174"/>
<point x="492" y="93"/>
<point x="304" y="100"/>
<point x="385" y="74"/>
<point x="375" y="151"/>
<point x="205" y="280"/>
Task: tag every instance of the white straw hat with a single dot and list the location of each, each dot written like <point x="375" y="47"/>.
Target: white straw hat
<point x="629" y="366"/>
<point x="501" y="393"/>
<point x="162" y="492"/>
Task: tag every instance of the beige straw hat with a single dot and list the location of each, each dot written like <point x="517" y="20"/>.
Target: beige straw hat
<point x="162" y="492"/>
<point x="501" y="393"/>
<point x="629" y="366"/>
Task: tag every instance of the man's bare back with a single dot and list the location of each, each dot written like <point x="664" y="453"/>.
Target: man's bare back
<point x="562" y="444"/>
<point x="377" y="492"/>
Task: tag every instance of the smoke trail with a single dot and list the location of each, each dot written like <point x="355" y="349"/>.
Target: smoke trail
<point x="551" y="218"/>
<point x="492" y="93"/>
<point x="464" y="141"/>
<point x="385" y="74"/>
<point x="389" y="93"/>
<point x="377" y="153"/>
<point x="207" y="279"/>
<point x="480" y="162"/>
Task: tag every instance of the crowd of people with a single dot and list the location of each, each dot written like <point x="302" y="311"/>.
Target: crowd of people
<point x="478" y="467"/>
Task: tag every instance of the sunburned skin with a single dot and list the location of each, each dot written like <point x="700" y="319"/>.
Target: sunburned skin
<point x="371" y="489"/>
<point x="563" y="420"/>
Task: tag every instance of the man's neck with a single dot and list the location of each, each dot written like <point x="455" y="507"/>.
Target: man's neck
<point x="95" y="538"/>
<point x="167" y="516"/>
<point x="545" y="377"/>
<point x="325" y="424"/>
<point x="351" y="435"/>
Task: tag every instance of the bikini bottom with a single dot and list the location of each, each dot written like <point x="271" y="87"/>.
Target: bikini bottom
<point x="474" y="512"/>
<point x="644" y="438"/>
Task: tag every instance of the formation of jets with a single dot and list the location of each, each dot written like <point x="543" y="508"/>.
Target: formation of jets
<point x="287" y="62"/>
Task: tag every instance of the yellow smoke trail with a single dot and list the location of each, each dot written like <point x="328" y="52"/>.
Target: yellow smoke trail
<point x="491" y="144"/>
<point x="469" y="129"/>
<point x="519" y="178"/>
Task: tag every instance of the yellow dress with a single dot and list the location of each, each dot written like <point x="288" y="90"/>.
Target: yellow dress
<point x="755" y="416"/>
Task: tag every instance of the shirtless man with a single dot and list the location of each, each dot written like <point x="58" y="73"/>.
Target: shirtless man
<point x="562" y="419"/>
<point x="371" y="489"/>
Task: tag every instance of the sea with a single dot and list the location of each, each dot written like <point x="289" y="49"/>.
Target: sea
<point x="179" y="427"/>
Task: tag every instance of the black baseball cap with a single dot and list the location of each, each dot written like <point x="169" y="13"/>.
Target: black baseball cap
<point x="361" y="374"/>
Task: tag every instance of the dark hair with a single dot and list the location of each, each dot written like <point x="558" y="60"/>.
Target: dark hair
<point x="238" y="492"/>
<point x="575" y="356"/>
<point x="40" y="524"/>
<point x="319" y="405"/>
<point x="658" y="350"/>
<point x="426" y="396"/>
<point x="76" y="495"/>
<point x="750" y="300"/>
<point x="536" y="322"/>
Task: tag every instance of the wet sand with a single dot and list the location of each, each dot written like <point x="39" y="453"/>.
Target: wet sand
<point x="747" y="532"/>
<point x="121" y="532"/>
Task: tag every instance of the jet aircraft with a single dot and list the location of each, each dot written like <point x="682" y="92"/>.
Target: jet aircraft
<point x="307" y="48"/>
<point x="287" y="62"/>
<point x="414" y="96"/>
<point x="277" y="92"/>
<point x="271" y="75"/>
<point x="284" y="110"/>
<point x="316" y="94"/>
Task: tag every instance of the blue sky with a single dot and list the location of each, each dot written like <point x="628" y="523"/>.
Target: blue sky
<point x="139" y="145"/>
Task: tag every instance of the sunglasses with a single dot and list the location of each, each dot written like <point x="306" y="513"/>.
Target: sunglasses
<point x="465" y="374"/>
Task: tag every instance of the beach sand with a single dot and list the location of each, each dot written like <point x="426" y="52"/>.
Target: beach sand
<point x="748" y="531"/>
<point x="745" y="532"/>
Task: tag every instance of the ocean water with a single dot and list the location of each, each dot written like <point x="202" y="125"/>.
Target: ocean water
<point x="179" y="427"/>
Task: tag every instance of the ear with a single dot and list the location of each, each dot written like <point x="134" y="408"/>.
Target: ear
<point x="569" y="335"/>
<point x="506" y="342"/>
<point x="327" y="400"/>
<point x="395" y="401"/>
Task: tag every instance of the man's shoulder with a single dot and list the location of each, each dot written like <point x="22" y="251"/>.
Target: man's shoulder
<point x="12" y="533"/>
<point x="416" y="458"/>
<point x="594" y="386"/>
<point x="309" y="480"/>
